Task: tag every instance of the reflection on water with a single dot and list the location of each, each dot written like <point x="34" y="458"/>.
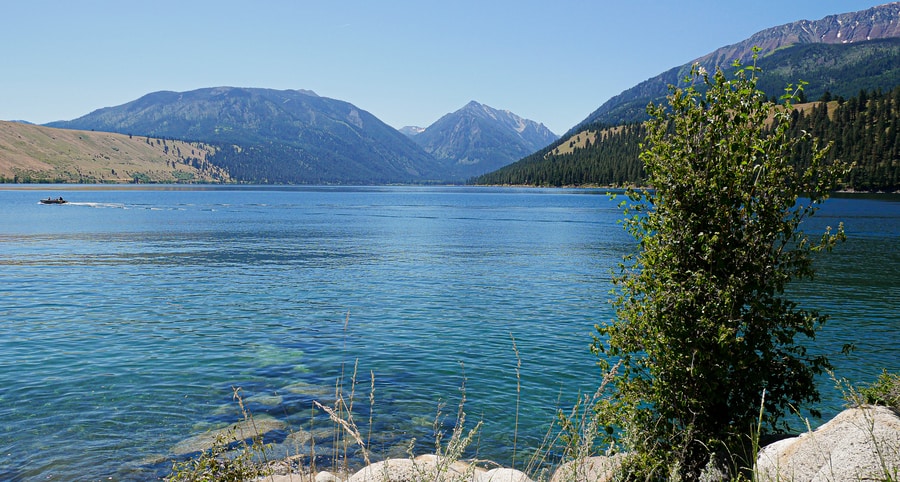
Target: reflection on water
<point x="129" y="315"/>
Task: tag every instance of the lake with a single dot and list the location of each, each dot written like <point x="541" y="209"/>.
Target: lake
<point x="130" y="314"/>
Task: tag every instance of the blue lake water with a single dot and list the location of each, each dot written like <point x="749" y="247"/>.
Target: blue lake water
<point x="129" y="314"/>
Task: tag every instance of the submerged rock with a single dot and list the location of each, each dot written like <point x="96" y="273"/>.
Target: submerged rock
<point x="245" y="429"/>
<point x="860" y="443"/>
<point x="318" y="392"/>
<point x="269" y="400"/>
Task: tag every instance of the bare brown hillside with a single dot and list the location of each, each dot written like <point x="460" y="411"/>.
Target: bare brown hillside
<point x="31" y="153"/>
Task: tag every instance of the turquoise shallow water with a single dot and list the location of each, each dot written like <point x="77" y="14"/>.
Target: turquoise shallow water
<point x="129" y="314"/>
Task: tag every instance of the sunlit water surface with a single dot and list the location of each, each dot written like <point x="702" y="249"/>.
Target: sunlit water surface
<point x="129" y="315"/>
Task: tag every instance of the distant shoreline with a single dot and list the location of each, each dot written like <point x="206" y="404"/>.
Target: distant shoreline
<point x="200" y="186"/>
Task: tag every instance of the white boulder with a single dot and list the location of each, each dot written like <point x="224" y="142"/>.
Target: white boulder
<point x="502" y="475"/>
<point x="860" y="443"/>
<point x="422" y="468"/>
<point x="591" y="469"/>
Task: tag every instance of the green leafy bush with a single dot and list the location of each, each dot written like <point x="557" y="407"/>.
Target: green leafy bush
<point x="885" y="390"/>
<point x="703" y="325"/>
<point x="220" y="463"/>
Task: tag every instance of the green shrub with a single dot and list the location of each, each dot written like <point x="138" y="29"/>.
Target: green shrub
<point x="221" y="463"/>
<point x="885" y="390"/>
<point x="703" y="325"/>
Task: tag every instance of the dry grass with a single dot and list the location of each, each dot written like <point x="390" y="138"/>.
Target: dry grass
<point x="47" y="154"/>
<point x="581" y="139"/>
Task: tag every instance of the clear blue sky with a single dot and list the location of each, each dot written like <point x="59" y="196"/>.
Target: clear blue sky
<point x="406" y="62"/>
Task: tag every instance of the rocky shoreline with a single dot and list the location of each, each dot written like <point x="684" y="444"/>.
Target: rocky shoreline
<point x="861" y="443"/>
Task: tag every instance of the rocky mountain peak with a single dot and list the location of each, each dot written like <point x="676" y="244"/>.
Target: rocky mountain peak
<point x="411" y="130"/>
<point x="477" y="138"/>
<point x="878" y="22"/>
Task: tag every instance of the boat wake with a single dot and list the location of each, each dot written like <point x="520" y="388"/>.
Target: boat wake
<point x="147" y="207"/>
<point x="98" y="205"/>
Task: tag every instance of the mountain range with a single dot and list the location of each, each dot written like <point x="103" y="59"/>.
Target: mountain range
<point x="296" y="136"/>
<point x="842" y="57"/>
<point x="257" y="135"/>
<point x="280" y="136"/>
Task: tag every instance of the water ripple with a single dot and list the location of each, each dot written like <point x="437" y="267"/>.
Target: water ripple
<point x="129" y="316"/>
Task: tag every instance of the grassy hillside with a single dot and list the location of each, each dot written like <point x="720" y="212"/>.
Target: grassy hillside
<point x="581" y="140"/>
<point x="30" y="153"/>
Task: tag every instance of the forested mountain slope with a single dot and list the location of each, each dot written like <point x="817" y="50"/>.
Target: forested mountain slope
<point x="842" y="30"/>
<point x="865" y="130"/>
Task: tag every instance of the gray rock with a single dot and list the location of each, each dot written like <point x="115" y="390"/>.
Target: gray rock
<point x="420" y="469"/>
<point x="284" y="478"/>
<point x="326" y="476"/>
<point x="592" y="469"/>
<point x="323" y="476"/>
<point x="502" y="475"/>
<point x="858" y="444"/>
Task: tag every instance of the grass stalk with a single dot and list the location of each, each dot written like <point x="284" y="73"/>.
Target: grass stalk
<point x="518" y="398"/>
